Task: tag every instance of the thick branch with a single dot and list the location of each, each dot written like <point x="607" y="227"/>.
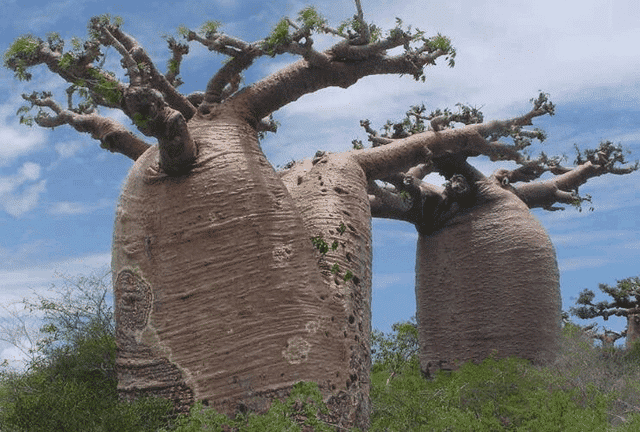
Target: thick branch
<point x="147" y="69"/>
<point x="387" y="204"/>
<point x="300" y="78"/>
<point x="563" y="188"/>
<point x="112" y="135"/>
<point x="154" y="118"/>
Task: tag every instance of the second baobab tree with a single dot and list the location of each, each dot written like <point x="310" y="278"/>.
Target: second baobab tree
<point x="233" y="281"/>
<point x="486" y="271"/>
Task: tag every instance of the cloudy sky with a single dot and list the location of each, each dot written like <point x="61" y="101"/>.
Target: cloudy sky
<point x="58" y="189"/>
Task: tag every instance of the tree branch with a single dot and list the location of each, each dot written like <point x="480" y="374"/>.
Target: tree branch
<point x="178" y="50"/>
<point x="112" y="135"/>
<point x="387" y="204"/>
<point x="143" y="71"/>
<point x="564" y="187"/>
<point x="300" y="78"/>
<point x="153" y="117"/>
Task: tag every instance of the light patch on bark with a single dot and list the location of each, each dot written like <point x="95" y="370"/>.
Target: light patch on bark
<point x="281" y="253"/>
<point x="297" y="350"/>
<point x="135" y="297"/>
<point x="312" y="326"/>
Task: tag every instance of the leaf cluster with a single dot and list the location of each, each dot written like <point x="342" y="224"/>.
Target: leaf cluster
<point x="308" y="21"/>
<point x="625" y="297"/>
<point x="21" y="54"/>
<point x="323" y="247"/>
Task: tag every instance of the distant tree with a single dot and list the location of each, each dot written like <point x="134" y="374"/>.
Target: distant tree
<point x="397" y="350"/>
<point x="625" y="303"/>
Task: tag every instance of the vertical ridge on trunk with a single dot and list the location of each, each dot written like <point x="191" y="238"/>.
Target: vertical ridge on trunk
<point x="224" y="266"/>
<point x="332" y="200"/>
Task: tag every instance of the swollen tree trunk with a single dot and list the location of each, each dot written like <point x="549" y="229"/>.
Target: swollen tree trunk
<point x="219" y="294"/>
<point x="487" y="281"/>
<point x="633" y="329"/>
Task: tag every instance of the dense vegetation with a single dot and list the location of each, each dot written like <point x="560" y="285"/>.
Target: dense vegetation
<point x="70" y="385"/>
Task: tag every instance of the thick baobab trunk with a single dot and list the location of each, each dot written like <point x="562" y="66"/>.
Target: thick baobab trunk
<point x="332" y="199"/>
<point x="487" y="281"/>
<point x="633" y="329"/>
<point x="219" y="296"/>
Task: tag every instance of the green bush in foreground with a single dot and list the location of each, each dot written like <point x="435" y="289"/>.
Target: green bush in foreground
<point x="504" y="394"/>
<point x="301" y="410"/>
<point x="76" y="392"/>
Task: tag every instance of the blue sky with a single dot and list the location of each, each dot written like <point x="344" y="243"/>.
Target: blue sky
<point x="58" y="189"/>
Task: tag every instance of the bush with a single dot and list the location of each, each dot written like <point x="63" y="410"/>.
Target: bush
<point x="70" y="382"/>
<point x="506" y="394"/>
<point x="302" y="409"/>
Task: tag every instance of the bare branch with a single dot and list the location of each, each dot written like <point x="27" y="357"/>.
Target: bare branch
<point x="564" y="187"/>
<point x="111" y="134"/>
<point x="147" y="73"/>
<point x="173" y="70"/>
<point x="227" y="80"/>
<point x="223" y="44"/>
<point x="386" y="204"/>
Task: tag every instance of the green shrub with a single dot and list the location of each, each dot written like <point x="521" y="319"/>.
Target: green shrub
<point x="302" y="408"/>
<point x="506" y="394"/>
<point x="76" y="391"/>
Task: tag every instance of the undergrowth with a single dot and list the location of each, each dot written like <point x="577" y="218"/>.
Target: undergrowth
<point x="587" y="389"/>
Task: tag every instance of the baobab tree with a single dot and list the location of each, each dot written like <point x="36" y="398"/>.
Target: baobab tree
<point x="233" y="281"/>
<point x="486" y="272"/>
<point x="625" y="302"/>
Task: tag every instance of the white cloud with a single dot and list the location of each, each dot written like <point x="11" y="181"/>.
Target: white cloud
<point x="16" y="284"/>
<point x="68" y="149"/>
<point x="581" y="263"/>
<point x="382" y="281"/>
<point x="74" y="208"/>
<point x="17" y="205"/>
<point x="16" y="139"/>
<point x="18" y="193"/>
<point x="584" y="237"/>
<point x="29" y="171"/>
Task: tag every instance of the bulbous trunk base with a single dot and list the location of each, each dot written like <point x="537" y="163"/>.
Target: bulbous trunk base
<point x="487" y="282"/>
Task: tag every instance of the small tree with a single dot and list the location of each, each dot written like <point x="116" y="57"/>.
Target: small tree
<point x="397" y="350"/>
<point x="625" y="303"/>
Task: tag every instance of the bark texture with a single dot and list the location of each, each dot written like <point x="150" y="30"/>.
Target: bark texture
<point x="487" y="281"/>
<point x="332" y="200"/>
<point x="633" y="329"/>
<point x="219" y="295"/>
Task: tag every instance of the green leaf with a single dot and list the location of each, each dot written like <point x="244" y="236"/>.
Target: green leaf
<point x="319" y="243"/>
<point x="209" y="28"/>
<point x="310" y="18"/>
<point x="278" y="36"/>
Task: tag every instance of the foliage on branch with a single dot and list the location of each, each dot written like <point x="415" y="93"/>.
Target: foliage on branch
<point x="625" y="300"/>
